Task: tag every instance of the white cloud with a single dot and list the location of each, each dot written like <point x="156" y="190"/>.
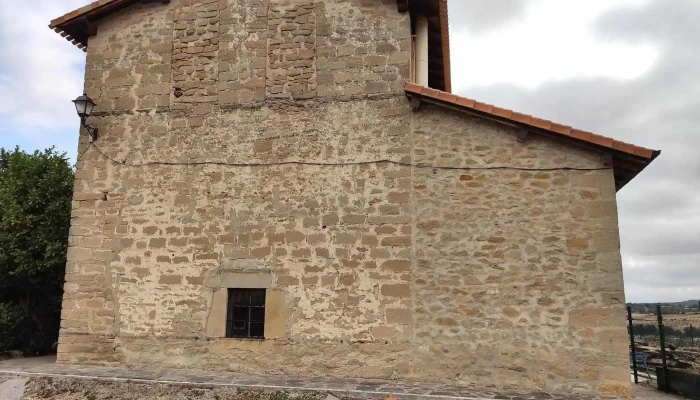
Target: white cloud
<point x="42" y="71"/>
<point x="628" y="69"/>
<point x="550" y="42"/>
<point x="677" y="280"/>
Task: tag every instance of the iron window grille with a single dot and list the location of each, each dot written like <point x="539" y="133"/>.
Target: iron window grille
<point x="246" y="314"/>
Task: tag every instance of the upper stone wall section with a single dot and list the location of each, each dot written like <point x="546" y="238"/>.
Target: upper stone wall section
<point x="233" y="53"/>
<point x="129" y="61"/>
<point x="363" y="48"/>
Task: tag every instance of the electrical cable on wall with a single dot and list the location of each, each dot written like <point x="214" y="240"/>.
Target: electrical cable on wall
<point x="343" y="164"/>
<point x="80" y="156"/>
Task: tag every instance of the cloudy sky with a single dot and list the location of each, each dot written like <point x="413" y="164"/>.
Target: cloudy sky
<point x="629" y="69"/>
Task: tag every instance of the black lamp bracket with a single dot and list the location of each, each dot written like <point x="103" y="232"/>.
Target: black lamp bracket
<point x="91" y="130"/>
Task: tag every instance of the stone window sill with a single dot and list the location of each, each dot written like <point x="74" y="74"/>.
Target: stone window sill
<point x="243" y="339"/>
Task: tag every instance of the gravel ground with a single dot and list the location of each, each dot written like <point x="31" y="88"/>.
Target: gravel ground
<point x="47" y="388"/>
<point x="78" y="389"/>
<point x="46" y="380"/>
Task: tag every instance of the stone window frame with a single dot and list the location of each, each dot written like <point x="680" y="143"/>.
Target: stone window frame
<point x="275" y="324"/>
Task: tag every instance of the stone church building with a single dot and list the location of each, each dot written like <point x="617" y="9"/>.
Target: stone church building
<point x="289" y="187"/>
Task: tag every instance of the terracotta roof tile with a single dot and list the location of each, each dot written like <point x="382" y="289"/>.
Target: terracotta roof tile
<point x="80" y="11"/>
<point x="487" y="108"/>
<point x="523" y="118"/>
<point x="464" y="102"/>
<point x="449" y="97"/>
<point x="601" y="140"/>
<point x="643" y="152"/>
<point x="559" y="128"/>
<point x="430" y="92"/>
<point x="414" y="88"/>
<point x="622" y="146"/>
<point x="582" y="135"/>
<point x="540" y="123"/>
<point x="502" y="112"/>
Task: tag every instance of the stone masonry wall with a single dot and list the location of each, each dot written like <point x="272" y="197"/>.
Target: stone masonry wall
<point x="291" y="50"/>
<point x="331" y="237"/>
<point x="355" y="58"/>
<point x="377" y="269"/>
<point x="242" y="52"/>
<point x="195" y="56"/>
<point x="517" y="276"/>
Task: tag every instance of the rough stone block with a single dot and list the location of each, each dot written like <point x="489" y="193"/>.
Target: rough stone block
<point x="170" y="279"/>
<point x="216" y="321"/>
<point x="275" y="315"/>
<point x="396" y="290"/>
<point x="596" y="317"/>
<point x="397" y="265"/>
<point x="400" y="316"/>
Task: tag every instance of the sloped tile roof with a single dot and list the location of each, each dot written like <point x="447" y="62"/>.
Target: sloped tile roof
<point x="634" y="158"/>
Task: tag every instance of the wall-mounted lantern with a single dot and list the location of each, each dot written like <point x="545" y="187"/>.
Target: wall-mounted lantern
<point x="84" y="106"/>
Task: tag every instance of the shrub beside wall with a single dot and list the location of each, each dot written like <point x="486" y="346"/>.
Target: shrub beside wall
<point x="36" y="190"/>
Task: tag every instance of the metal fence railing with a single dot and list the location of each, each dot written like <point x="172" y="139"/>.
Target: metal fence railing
<point x="666" y="337"/>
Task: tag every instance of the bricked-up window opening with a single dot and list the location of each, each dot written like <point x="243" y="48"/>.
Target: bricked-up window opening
<point x="246" y="313"/>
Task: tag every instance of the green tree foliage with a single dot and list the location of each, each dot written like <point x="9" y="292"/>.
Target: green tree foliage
<point x="13" y="327"/>
<point x="35" y="204"/>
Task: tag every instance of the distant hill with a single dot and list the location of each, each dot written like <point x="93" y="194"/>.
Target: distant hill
<point x="680" y="307"/>
<point x="689" y="303"/>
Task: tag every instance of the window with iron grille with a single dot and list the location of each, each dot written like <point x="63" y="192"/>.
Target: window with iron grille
<point x="246" y="313"/>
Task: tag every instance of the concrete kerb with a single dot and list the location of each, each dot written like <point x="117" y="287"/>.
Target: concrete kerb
<point x="12" y="389"/>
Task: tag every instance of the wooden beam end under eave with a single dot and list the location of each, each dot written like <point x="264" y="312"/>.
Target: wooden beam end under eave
<point x="415" y="103"/>
<point x="402" y="5"/>
<point x="523" y="133"/>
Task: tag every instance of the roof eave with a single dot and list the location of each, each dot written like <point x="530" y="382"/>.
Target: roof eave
<point x="627" y="160"/>
<point x="622" y="183"/>
<point x="76" y="26"/>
